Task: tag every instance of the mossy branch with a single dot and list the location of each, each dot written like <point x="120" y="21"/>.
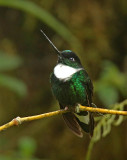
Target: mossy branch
<point x="104" y="126"/>
<point x="19" y="120"/>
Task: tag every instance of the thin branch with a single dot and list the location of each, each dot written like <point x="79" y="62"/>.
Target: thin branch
<point x="102" y="110"/>
<point x="19" y="120"/>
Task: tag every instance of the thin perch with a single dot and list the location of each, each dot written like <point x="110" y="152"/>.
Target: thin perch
<point x="19" y="120"/>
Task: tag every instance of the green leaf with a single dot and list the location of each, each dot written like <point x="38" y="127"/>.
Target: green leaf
<point x="97" y="133"/>
<point x="107" y="94"/>
<point x="106" y="128"/>
<point x="14" y="84"/>
<point x="27" y="147"/>
<point x="119" y="121"/>
<point x="9" y="62"/>
<point x="111" y="74"/>
<point x="111" y="82"/>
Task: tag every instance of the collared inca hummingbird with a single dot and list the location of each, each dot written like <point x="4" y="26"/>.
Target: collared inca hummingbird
<point x="72" y="86"/>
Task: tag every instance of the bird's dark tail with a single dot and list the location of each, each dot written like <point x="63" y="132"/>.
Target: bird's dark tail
<point x="72" y="122"/>
<point x="76" y="125"/>
<point x="91" y="124"/>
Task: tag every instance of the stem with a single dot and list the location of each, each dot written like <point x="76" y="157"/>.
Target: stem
<point x="90" y="147"/>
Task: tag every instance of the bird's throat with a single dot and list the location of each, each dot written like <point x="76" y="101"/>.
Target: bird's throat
<point x="64" y="72"/>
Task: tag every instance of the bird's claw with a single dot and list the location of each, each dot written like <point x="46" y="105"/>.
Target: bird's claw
<point x="66" y="108"/>
<point x="94" y="105"/>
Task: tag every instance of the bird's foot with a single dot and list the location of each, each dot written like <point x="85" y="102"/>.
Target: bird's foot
<point x="66" y="108"/>
<point x="94" y="105"/>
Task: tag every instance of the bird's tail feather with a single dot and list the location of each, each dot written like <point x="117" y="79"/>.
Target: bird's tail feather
<point x="76" y="125"/>
<point x="91" y="124"/>
<point x="71" y="121"/>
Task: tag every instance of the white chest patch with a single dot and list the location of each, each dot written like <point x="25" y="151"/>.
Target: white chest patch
<point x="64" y="73"/>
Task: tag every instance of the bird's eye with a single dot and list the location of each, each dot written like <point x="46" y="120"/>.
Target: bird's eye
<point x="72" y="59"/>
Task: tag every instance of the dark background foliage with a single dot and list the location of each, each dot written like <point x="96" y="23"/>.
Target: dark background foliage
<point x="97" y="32"/>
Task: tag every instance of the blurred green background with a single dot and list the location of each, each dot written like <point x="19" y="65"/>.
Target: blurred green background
<point x="97" y="31"/>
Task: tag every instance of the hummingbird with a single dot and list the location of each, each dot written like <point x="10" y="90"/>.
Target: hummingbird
<point x="72" y="87"/>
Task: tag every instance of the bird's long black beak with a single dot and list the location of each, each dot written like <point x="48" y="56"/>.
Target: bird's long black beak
<point x="54" y="47"/>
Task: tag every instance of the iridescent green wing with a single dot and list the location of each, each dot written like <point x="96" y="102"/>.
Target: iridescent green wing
<point x="87" y="83"/>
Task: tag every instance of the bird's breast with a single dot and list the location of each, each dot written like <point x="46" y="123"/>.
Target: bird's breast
<point x="70" y="92"/>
